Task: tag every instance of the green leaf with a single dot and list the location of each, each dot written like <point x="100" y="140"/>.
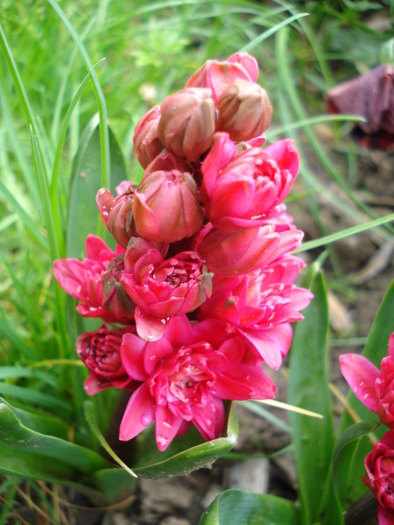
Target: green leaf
<point x="327" y="239"/>
<point x="345" y="447"/>
<point x="313" y="439"/>
<point x="83" y="214"/>
<point x="104" y="151"/>
<point x="351" y="434"/>
<point x="351" y="465"/>
<point x="32" y="396"/>
<point x="8" y="372"/>
<point x="40" y="422"/>
<point x="91" y="419"/>
<point x="24" y="451"/>
<point x="246" y="508"/>
<point x="27" y="453"/>
<point x="257" y="41"/>
<point x="186" y="453"/>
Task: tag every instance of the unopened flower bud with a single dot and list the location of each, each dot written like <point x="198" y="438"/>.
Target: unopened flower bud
<point x="115" y="299"/>
<point x="147" y="144"/>
<point x="117" y="213"/>
<point x="166" y="207"/>
<point x="166" y="161"/>
<point x="187" y="123"/>
<point x="218" y="76"/>
<point x="245" y="111"/>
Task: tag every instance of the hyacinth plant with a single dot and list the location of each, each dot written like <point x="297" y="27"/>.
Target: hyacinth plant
<point x="184" y="300"/>
<point x="199" y="291"/>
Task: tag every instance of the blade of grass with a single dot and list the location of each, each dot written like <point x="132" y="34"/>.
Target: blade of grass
<point x="20" y="89"/>
<point x="32" y="396"/>
<point x="11" y="372"/>
<point x="256" y="41"/>
<point x="101" y="104"/>
<point x="23" y="163"/>
<point x="59" y="150"/>
<point x="91" y="419"/>
<point x="56" y="121"/>
<point x="25" y="305"/>
<point x="16" y="342"/>
<point x="8" y="221"/>
<point x="309" y="245"/>
<point x="266" y="414"/>
<point x="314" y="182"/>
<point x="285" y="76"/>
<point x="312" y="121"/>
<point x="53" y="242"/>
<point x="24" y="217"/>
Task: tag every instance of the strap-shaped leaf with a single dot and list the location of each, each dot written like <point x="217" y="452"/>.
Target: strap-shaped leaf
<point x="186" y="453"/>
<point x="83" y="214"/>
<point x="313" y="439"/>
<point x="246" y="508"/>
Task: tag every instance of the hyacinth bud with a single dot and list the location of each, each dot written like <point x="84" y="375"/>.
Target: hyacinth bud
<point x="166" y="207"/>
<point x="147" y="144"/>
<point x="166" y="161"/>
<point x="115" y="299"/>
<point x="117" y="213"/>
<point x="245" y="111"/>
<point x="218" y="76"/>
<point x="187" y="123"/>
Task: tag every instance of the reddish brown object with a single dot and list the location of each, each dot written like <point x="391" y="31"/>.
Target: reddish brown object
<point x="370" y="96"/>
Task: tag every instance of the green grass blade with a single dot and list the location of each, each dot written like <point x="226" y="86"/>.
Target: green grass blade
<point x="58" y="156"/>
<point x="23" y="163"/>
<point x="18" y="345"/>
<point x="309" y="245"/>
<point x="101" y="104"/>
<point x="312" y="121"/>
<point x="32" y="396"/>
<point x="20" y="88"/>
<point x="11" y="372"/>
<point x="256" y="41"/>
<point x="285" y="76"/>
<point x="53" y="242"/>
<point x="56" y="121"/>
<point x="265" y="414"/>
<point x="24" y="217"/>
<point x="91" y="419"/>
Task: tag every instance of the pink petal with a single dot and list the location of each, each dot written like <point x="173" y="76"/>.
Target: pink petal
<point x="286" y="155"/>
<point x="97" y="249"/>
<point x="179" y="331"/>
<point x="248" y="62"/>
<point x="385" y="517"/>
<point x="132" y="352"/>
<point x="166" y="427"/>
<point x="139" y="413"/>
<point x="272" y="344"/>
<point x="209" y="419"/>
<point x="148" y="327"/>
<point x="361" y="375"/>
<point x="92" y="385"/>
<point x="154" y="352"/>
<point x="388" y="439"/>
<point x="222" y="151"/>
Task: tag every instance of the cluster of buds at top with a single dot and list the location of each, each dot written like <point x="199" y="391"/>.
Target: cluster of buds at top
<point x="201" y="285"/>
<point x="221" y="96"/>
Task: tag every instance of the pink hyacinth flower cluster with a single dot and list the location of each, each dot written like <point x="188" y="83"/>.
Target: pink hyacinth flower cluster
<point x="375" y="389"/>
<point x="200" y="290"/>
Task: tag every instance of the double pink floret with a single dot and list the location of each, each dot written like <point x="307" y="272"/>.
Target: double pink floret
<point x="375" y="389"/>
<point x="199" y="292"/>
